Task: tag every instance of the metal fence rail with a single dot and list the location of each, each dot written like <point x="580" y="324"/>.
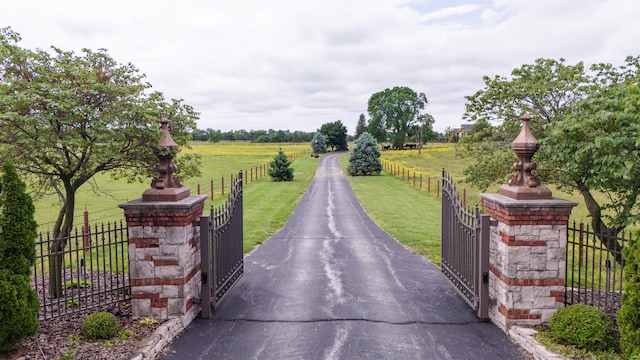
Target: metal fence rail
<point x="95" y="271"/>
<point x="594" y="272"/>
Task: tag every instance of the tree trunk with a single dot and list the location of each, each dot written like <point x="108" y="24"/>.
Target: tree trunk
<point x="607" y="235"/>
<point x="61" y="233"/>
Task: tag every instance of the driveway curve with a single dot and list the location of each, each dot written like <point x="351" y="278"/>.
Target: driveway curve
<point x="332" y="285"/>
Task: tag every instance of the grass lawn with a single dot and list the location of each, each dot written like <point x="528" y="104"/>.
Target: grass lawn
<point x="102" y="195"/>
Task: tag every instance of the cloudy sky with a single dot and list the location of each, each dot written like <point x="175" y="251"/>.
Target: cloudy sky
<point x="297" y="64"/>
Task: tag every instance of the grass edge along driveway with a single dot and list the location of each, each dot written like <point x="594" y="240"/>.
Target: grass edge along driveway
<point x="409" y="215"/>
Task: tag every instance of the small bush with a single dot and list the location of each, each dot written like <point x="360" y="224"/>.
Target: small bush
<point x="18" y="309"/>
<point x="583" y="326"/>
<point x="101" y="325"/>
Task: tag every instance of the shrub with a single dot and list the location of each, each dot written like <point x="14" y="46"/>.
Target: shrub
<point x="365" y="157"/>
<point x="18" y="229"/>
<point x="279" y="169"/>
<point x="101" y="325"/>
<point x="628" y="316"/>
<point x="318" y="144"/>
<point x="583" y="326"/>
<point x="18" y="309"/>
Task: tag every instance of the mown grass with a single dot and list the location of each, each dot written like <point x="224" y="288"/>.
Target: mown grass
<point x="103" y="194"/>
<point x="438" y="156"/>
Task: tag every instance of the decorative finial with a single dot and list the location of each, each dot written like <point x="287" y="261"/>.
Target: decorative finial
<point x="523" y="184"/>
<point x="165" y="186"/>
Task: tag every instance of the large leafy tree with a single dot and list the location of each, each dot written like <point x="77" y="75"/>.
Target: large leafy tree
<point x="65" y="118"/>
<point x="588" y="127"/>
<point x="394" y="112"/>
<point x="335" y="134"/>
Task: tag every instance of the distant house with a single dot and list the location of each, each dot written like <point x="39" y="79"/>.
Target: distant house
<point x="463" y="130"/>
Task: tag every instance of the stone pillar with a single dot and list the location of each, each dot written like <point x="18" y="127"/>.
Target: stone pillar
<point x="164" y="257"/>
<point x="527" y="258"/>
<point x="164" y="242"/>
<point x="527" y="261"/>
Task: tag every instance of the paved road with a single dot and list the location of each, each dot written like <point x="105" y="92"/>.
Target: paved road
<point x="332" y="285"/>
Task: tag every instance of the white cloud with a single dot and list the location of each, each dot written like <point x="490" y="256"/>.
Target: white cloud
<point x="295" y="65"/>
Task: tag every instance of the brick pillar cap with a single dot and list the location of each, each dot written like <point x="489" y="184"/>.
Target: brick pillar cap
<point x="183" y="204"/>
<point x="508" y="202"/>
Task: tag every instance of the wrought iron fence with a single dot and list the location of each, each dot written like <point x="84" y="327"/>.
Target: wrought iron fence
<point x="594" y="270"/>
<point x="94" y="272"/>
<point x="221" y="241"/>
<point x="465" y="248"/>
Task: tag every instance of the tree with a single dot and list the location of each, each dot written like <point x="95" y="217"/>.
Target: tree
<point x="66" y="117"/>
<point x="365" y="157"/>
<point x="361" y="127"/>
<point x="18" y="229"/>
<point x="336" y="135"/>
<point x="396" y="111"/>
<point x="318" y="144"/>
<point x="587" y="127"/>
<point x="424" y="123"/>
<point x="18" y="232"/>
<point x="280" y="168"/>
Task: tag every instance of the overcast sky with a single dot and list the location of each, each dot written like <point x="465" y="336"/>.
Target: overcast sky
<point x="297" y="64"/>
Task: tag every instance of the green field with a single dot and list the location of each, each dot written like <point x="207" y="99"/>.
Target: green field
<point x="102" y="195"/>
<point x="436" y="157"/>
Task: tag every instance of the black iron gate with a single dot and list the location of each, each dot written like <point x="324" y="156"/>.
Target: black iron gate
<point x="465" y="248"/>
<point x="221" y="242"/>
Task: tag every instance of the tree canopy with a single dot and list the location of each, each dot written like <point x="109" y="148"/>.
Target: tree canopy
<point x="394" y="112"/>
<point x="587" y="125"/>
<point x="335" y="134"/>
<point x="66" y="117"/>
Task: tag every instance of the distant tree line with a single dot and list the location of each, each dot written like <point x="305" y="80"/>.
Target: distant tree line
<point x="255" y="136"/>
<point x="279" y="136"/>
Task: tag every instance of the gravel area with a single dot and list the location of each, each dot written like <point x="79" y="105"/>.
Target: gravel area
<point x="57" y="337"/>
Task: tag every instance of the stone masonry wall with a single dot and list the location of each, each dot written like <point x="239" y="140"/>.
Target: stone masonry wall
<point x="164" y="257"/>
<point x="527" y="259"/>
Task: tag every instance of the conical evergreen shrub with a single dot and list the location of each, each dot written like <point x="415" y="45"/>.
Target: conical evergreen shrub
<point x="628" y="317"/>
<point x="279" y="168"/>
<point x="318" y="144"/>
<point x="365" y="157"/>
<point x="18" y="231"/>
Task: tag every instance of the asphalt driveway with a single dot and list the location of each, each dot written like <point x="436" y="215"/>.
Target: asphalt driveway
<point x="332" y="285"/>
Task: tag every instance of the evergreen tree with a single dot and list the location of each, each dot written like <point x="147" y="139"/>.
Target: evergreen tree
<point x="628" y="317"/>
<point x="18" y="229"/>
<point x="361" y="127"/>
<point x="279" y="168"/>
<point x="365" y="157"/>
<point x="18" y="232"/>
<point x="318" y="144"/>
